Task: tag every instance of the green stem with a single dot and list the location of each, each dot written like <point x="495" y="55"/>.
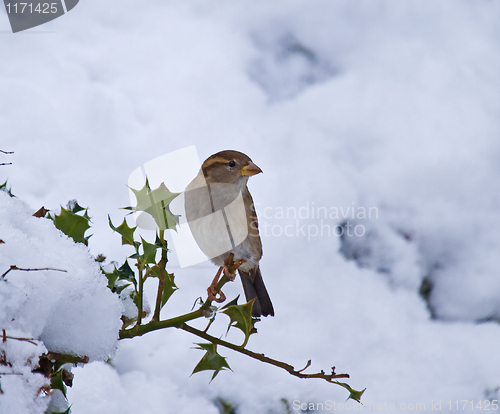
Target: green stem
<point x="154" y="325"/>
<point x="139" y="330"/>
<point x="140" y="292"/>
<point x="161" y="279"/>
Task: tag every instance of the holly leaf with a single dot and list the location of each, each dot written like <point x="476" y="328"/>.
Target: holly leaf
<point x="156" y="203"/>
<point x="169" y="286"/>
<point x="233" y="302"/>
<point x="225" y="407"/>
<point x="112" y="277"/>
<point x="211" y="360"/>
<point x="73" y="225"/>
<point x="120" y="289"/>
<point x="74" y="207"/>
<point x="68" y="411"/>
<point x="125" y="231"/>
<point x="3" y="187"/>
<point x="353" y="394"/>
<point x="126" y="273"/>
<point x="149" y="255"/>
<point x="162" y="243"/>
<point x="241" y="318"/>
<point x="56" y="382"/>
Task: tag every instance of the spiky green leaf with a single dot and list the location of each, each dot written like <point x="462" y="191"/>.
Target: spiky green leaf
<point x="211" y="360"/>
<point x="68" y="411"/>
<point x="149" y="251"/>
<point x="356" y="395"/>
<point x="57" y="383"/>
<point x="3" y="187"/>
<point x="225" y="407"/>
<point x="74" y="207"/>
<point x="73" y="225"/>
<point x="120" y="289"/>
<point x="232" y="303"/>
<point x="169" y="286"/>
<point x="156" y="203"/>
<point x="126" y="273"/>
<point x="241" y="318"/>
<point x="161" y="243"/>
<point x="112" y="277"/>
<point x="125" y="231"/>
<point x="353" y="394"/>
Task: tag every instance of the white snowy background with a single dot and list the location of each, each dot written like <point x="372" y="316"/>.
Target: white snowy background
<point x="376" y="104"/>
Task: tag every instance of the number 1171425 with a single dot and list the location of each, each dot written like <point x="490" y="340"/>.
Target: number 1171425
<point x="486" y="405"/>
<point x="25" y="8"/>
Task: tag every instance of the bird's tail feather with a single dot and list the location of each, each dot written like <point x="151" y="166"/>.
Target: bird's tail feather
<point x="254" y="287"/>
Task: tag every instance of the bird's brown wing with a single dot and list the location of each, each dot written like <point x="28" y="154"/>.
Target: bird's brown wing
<point x="253" y="224"/>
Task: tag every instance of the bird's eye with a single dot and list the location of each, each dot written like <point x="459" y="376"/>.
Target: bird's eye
<point x="231" y="163"/>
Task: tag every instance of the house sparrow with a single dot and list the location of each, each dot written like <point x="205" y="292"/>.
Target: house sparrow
<point x="222" y="219"/>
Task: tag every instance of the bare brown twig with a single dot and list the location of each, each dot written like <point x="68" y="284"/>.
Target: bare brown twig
<point x="261" y="357"/>
<point x="5" y="337"/>
<point x="14" y="267"/>
<point x="6" y="152"/>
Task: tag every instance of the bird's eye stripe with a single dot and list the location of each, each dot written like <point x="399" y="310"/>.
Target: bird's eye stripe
<point x="212" y="161"/>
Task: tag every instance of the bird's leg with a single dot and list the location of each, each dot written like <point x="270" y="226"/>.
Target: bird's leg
<point x="212" y="293"/>
<point x="231" y="266"/>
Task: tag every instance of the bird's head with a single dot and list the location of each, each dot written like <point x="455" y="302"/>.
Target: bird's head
<point x="231" y="167"/>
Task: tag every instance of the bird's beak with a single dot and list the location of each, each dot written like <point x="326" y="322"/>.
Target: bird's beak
<point x="250" y="169"/>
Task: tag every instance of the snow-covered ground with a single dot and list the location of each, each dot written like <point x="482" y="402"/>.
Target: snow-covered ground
<point x="377" y="114"/>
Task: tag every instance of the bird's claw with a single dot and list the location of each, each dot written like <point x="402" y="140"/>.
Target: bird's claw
<point x="230" y="268"/>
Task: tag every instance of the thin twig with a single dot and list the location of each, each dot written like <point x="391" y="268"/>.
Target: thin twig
<point x="307" y="366"/>
<point x="7" y="152"/>
<point x="180" y="322"/>
<point x="5" y="337"/>
<point x="261" y="357"/>
<point x="161" y="279"/>
<point x="140" y="293"/>
<point x="14" y="267"/>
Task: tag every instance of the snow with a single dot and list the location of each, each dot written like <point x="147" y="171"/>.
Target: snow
<point x="65" y="307"/>
<point x="365" y="104"/>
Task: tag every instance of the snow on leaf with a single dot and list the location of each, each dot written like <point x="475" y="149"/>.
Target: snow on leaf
<point x="73" y="225"/>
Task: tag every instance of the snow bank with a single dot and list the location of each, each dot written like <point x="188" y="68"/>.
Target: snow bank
<point x="71" y="312"/>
